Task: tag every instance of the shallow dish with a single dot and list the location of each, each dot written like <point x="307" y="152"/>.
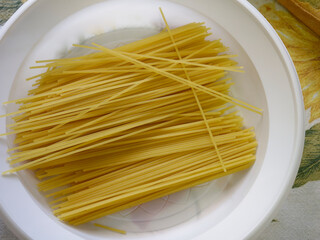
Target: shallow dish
<point x="246" y="201"/>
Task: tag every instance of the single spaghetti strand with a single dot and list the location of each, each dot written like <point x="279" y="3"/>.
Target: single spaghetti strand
<point x="194" y="92"/>
<point x="110" y="228"/>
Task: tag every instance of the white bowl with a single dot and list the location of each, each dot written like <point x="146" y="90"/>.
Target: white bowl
<point x="46" y="29"/>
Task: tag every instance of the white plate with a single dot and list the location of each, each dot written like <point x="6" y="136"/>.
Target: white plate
<point x="46" y="29"/>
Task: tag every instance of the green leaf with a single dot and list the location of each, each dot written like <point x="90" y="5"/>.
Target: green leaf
<point x="310" y="164"/>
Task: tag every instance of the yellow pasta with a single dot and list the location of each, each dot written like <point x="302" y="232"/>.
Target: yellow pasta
<point x="110" y="228"/>
<point x="119" y="127"/>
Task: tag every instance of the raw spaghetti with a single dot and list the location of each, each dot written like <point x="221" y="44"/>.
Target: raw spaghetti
<point x="119" y="127"/>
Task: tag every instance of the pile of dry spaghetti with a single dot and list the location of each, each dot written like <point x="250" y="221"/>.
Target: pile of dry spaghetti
<point x="120" y="127"/>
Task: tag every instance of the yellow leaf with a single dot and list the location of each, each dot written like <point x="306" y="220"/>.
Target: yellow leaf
<point x="304" y="48"/>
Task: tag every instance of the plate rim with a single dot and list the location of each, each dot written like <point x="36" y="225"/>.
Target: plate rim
<point x="298" y="145"/>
